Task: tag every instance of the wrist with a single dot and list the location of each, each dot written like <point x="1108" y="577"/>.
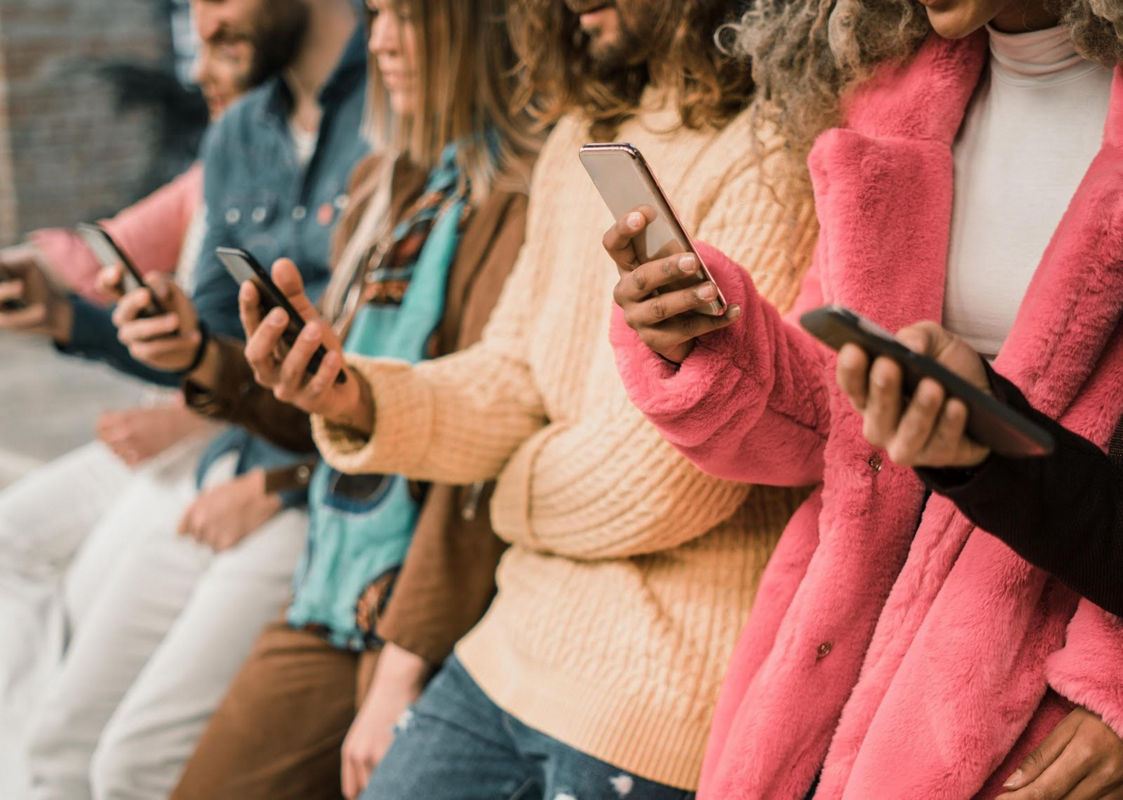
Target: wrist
<point x="201" y="349"/>
<point x="208" y="370"/>
<point x="400" y="667"/>
<point x="356" y="410"/>
<point x="258" y="480"/>
<point x="61" y="320"/>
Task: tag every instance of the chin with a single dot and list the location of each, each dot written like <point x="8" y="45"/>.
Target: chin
<point x="953" y="23"/>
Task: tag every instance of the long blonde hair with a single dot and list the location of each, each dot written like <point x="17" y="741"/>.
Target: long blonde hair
<point x="467" y="76"/>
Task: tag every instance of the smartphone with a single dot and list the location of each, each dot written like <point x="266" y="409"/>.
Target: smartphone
<point x="625" y="182"/>
<point x="109" y="253"/>
<point x="989" y="421"/>
<point x="8" y="306"/>
<point x="243" y="267"/>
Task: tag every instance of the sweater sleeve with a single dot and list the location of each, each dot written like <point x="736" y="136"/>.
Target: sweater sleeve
<point x="750" y="402"/>
<point x="1062" y="513"/>
<point x="615" y="488"/>
<point x="456" y="419"/>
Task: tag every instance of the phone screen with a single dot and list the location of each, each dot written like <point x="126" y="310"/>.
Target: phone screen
<point x="625" y="182"/>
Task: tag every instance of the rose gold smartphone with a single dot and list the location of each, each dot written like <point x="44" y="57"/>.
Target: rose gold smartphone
<point x="624" y="180"/>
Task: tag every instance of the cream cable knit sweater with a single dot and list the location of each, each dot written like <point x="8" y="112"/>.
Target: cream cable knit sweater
<point x="631" y="572"/>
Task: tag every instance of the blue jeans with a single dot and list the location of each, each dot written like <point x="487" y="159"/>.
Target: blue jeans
<point x="456" y="744"/>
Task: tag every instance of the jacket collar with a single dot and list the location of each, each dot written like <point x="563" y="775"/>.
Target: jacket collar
<point x="885" y="184"/>
<point x="350" y="70"/>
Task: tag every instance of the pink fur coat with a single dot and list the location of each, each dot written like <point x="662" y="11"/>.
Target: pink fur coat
<point x="892" y="645"/>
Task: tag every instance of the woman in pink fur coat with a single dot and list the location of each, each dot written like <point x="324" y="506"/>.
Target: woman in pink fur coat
<point x="895" y="651"/>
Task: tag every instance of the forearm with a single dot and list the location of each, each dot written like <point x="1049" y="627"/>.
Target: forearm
<point x="453" y="420"/>
<point x="223" y="387"/>
<point x="1062" y="513"/>
<point x="93" y="336"/>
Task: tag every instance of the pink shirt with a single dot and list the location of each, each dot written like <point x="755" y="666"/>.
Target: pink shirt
<point x="151" y="231"/>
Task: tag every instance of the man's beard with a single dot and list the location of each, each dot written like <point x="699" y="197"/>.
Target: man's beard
<point x="628" y="48"/>
<point x="279" y="33"/>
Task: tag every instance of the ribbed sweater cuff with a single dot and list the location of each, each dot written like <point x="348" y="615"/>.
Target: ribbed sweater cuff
<point x="403" y="414"/>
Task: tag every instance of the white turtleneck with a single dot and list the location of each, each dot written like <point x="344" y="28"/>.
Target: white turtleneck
<point x="1030" y="133"/>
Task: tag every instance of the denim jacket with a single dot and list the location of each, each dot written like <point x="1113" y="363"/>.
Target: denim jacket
<point x="260" y="198"/>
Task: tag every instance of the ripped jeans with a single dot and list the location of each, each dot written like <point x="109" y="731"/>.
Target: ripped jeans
<point x="456" y="744"/>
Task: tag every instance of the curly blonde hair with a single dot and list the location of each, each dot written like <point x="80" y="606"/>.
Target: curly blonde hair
<point x="807" y="54"/>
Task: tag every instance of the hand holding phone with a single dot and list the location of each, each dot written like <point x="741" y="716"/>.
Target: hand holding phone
<point x="29" y="301"/>
<point x="172" y="341"/>
<point x="110" y="254"/>
<point x="665" y="290"/>
<point x="928" y="403"/>
<point x="284" y="368"/>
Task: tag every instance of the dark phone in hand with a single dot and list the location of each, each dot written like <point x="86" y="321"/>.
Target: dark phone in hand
<point x="989" y="421"/>
<point x="243" y="267"/>
<point x="109" y="253"/>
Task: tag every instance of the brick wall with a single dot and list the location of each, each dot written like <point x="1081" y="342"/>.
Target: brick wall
<point x="70" y="154"/>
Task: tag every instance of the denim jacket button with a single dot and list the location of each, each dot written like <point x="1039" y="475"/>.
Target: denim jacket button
<point x="341" y="201"/>
<point x="233" y="216"/>
<point x="259" y="214"/>
<point x="299" y="213"/>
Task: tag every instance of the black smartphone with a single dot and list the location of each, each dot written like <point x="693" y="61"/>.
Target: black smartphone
<point x="989" y="421"/>
<point x="15" y="304"/>
<point x="625" y="182"/>
<point x="243" y="267"/>
<point x="109" y="253"/>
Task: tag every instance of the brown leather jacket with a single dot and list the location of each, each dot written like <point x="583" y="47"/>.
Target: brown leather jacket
<point x="448" y="578"/>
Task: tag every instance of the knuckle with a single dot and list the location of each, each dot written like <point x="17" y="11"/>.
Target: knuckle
<point x="659" y="309"/>
<point x="639" y="280"/>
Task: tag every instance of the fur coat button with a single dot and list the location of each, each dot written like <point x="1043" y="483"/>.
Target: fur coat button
<point x="823" y="651"/>
<point x="875" y="462"/>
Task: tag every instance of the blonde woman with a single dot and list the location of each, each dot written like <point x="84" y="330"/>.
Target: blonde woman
<point x="433" y="227"/>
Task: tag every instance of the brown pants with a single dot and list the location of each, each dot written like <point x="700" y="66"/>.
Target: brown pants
<point x="278" y="732"/>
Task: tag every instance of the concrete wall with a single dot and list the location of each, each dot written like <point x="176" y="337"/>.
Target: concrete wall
<point x="70" y="154"/>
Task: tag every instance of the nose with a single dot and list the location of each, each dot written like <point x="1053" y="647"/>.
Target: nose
<point x="384" y="34"/>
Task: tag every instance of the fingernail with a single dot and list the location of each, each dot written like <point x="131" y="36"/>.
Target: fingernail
<point x="310" y="333"/>
<point x="635" y="220"/>
<point x="1014" y="780"/>
<point x="687" y="264"/>
<point x="732" y="313"/>
<point x="276" y="318"/>
<point x="707" y="292"/>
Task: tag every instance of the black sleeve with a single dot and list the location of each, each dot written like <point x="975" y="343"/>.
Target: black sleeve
<point x="1062" y="513"/>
